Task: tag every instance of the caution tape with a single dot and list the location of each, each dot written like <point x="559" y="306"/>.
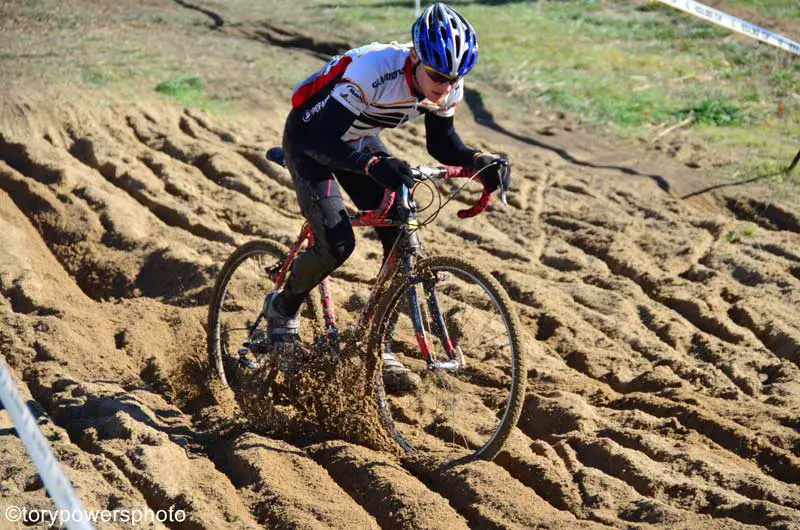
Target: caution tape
<point x="736" y="24"/>
<point x="53" y="477"/>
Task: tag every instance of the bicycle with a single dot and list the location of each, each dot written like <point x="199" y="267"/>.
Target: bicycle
<point x="462" y="335"/>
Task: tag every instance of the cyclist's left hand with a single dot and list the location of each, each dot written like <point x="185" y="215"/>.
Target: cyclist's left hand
<point x="498" y="170"/>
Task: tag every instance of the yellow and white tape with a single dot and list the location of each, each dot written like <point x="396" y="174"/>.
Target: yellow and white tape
<point x="735" y="24"/>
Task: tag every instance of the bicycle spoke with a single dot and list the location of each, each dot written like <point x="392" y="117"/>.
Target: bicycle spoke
<point x="468" y="315"/>
<point x="487" y="341"/>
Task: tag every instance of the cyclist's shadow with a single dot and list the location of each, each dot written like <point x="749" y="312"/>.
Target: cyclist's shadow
<point x="484" y="117"/>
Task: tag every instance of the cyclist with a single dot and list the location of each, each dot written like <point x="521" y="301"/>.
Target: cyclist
<point x="331" y="140"/>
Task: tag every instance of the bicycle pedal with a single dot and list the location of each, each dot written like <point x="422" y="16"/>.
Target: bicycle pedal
<point x="327" y="348"/>
<point x="247" y="363"/>
<point x="257" y="348"/>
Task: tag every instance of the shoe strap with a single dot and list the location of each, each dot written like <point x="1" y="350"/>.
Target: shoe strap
<point x="283" y="331"/>
<point x="390" y="362"/>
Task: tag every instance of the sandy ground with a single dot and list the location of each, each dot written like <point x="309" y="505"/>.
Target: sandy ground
<point x="663" y="331"/>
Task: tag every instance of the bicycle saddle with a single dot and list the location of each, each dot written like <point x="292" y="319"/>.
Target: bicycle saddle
<point x="275" y="154"/>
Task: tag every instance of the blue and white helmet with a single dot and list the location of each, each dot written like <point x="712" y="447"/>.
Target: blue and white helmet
<point x="445" y="41"/>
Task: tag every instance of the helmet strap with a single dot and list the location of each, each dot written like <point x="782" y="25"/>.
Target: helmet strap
<point x="414" y="82"/>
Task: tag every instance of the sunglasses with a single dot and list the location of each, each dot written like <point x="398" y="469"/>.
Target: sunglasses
<point x="438" y="78"/>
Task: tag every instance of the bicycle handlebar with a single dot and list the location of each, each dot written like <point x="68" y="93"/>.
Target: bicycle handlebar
<point x="452" y="172"/>
<point x="422" y="173"/>
<point x="483" y="202"/>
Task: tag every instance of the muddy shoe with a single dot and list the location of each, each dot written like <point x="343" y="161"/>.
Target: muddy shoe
<point x="282" y="328"/>
<point x="396" y="377"/>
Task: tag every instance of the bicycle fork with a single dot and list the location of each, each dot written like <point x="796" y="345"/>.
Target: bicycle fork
<point x="455" y="359"/>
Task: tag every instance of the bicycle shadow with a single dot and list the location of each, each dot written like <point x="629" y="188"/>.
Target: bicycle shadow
<point x="483" y="116"/>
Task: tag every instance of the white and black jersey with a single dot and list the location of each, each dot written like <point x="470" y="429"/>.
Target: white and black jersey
<point x="374" y="82"/>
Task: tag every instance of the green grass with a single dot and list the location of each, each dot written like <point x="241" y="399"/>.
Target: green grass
<point x="786" y="9"/>
<point x="183" y="87"/>
<point x="620" y="67"/>
<point x="188" y="90"/>
<point x="734" y="236"/>
<point x="715" y="112"/>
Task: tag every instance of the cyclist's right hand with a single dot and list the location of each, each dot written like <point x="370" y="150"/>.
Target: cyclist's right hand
<point x="391" y="173"/>
<point x="495" y="171"/>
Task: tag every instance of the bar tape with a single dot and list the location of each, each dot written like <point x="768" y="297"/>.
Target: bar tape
<point x="58" y="485"/>
<point x="736" y="24"/>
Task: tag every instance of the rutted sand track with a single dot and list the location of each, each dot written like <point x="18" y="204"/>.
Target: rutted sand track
<point x="665" y="342"/>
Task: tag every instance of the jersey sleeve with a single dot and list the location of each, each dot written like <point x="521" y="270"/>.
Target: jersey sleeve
<point x="354" y="90"/>
<point x="351" y="95"/>
<point x="448" y="110"/>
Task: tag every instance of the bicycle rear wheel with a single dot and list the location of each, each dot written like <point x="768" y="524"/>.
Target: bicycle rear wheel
<point x="473" y="407"/>
<point x="235" y="320"/>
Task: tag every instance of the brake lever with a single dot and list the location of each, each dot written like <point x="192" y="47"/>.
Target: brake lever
<point x="405" y="198"/>
<point x="503" y="195"/>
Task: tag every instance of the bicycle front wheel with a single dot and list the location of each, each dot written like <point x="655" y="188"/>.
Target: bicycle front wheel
<point x="466" y="316"/>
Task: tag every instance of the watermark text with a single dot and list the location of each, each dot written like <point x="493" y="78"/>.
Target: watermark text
<point x="59" y="518"/>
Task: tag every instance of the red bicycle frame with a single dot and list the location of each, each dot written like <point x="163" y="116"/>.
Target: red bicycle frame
<point x="381" y="217"/>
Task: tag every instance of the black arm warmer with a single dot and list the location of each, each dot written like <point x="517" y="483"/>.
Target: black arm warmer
<point x="444" y="144"/>
<point x="323" y="139"/>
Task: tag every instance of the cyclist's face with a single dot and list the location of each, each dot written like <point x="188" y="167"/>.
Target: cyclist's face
<point x="433" y="85"/>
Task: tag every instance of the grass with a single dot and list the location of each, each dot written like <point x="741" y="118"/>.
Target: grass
<point x="132" y="49"/>
<point x="625" y="66"/>
<point x="776" y="8"/>
<point x="715" y="112"/>
<point x="619" y="68"/>
<point x="734" y="236"/>
<point x="187" y="90"/>
<point x="625" y="62"/>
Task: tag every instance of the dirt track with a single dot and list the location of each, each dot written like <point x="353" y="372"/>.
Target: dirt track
<point x="664" y="340"/>
<point x="664" y="335"/>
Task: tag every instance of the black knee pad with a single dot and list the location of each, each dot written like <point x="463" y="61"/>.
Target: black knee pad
<point x="340" y="239"/>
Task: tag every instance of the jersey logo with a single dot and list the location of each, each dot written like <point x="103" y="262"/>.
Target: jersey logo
<point x="309" y="113"/>
<point x="352" y="95"/>
<point x="387" y="77"/>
